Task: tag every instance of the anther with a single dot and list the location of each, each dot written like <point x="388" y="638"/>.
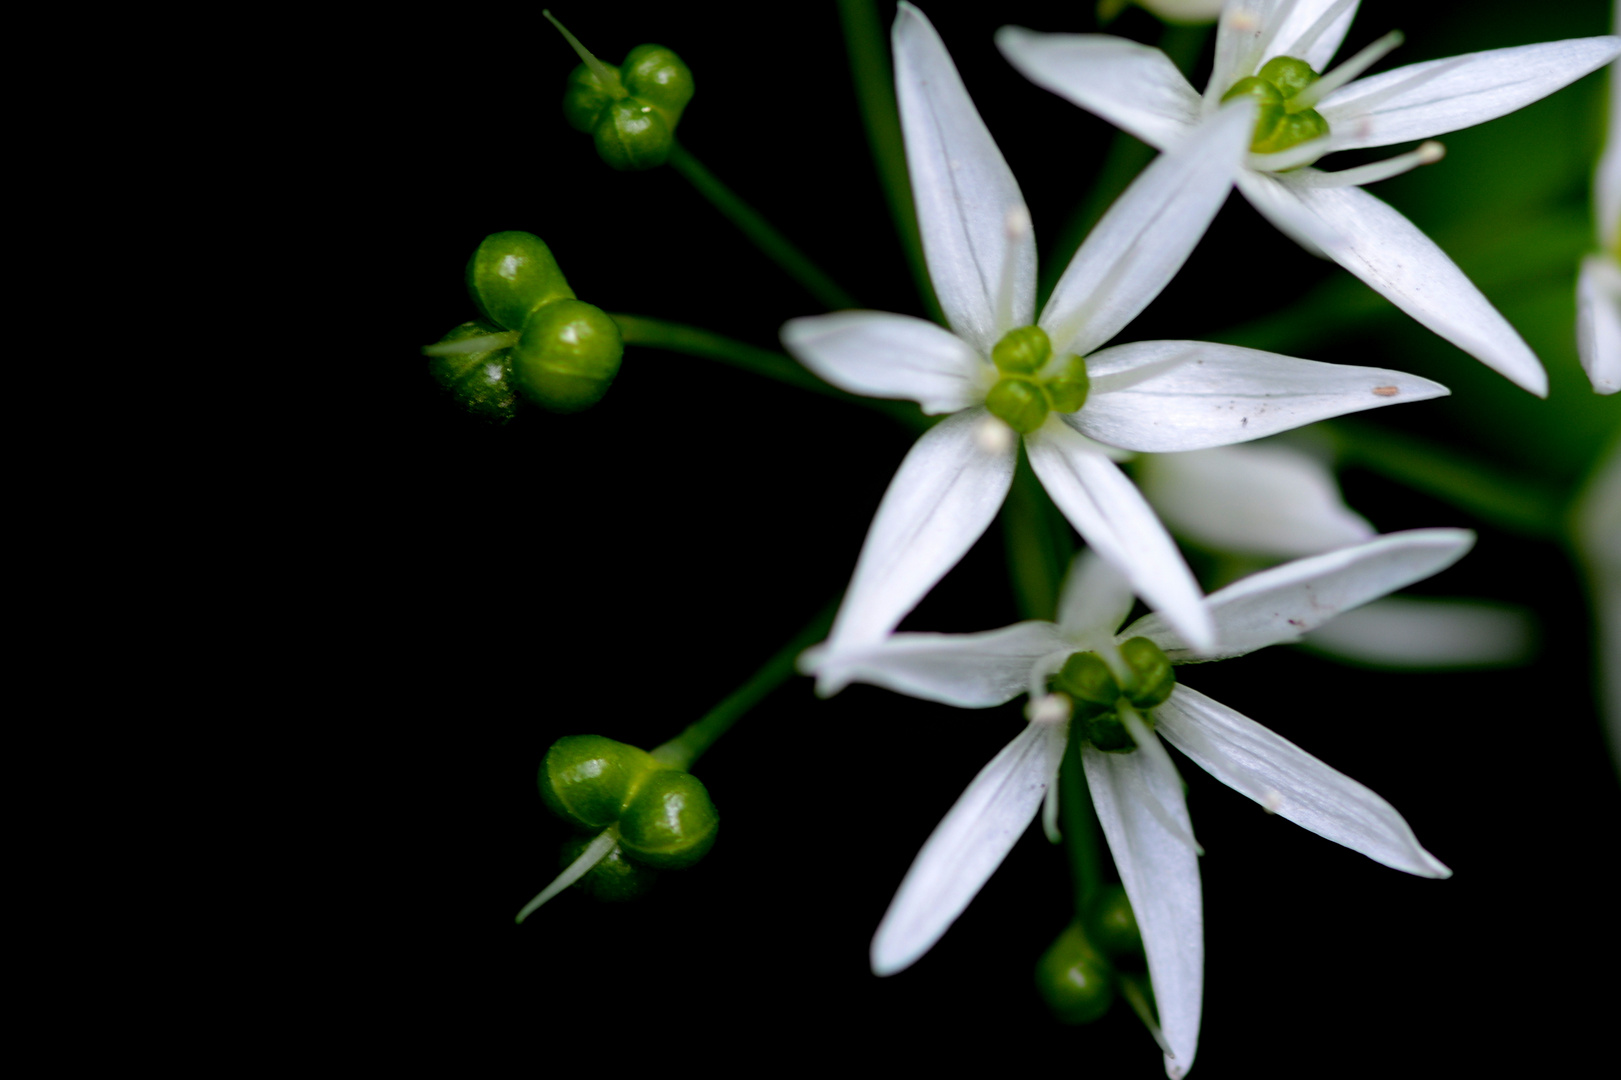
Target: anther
<point x="993" y="436"/>
<point x="1049" y="709"/>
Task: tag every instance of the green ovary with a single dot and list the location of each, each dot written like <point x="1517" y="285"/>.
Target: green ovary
<point x="1282" y="122"/>
<point x="1144" y="680"/>
<point x="1033" y="382"/>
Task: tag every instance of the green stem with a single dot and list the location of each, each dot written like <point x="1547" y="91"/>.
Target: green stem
<point x="1038" y="544"/>
<point x="684" y="750"/>
<point x="1513" y="505"/>
<point x="1080" y="826"/>
<point x="691" y="341"/>
<point x="765" y="237"/>
<point x="875" y="92"/>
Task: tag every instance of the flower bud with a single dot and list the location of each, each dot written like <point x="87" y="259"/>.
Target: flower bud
<point x="1291" y="129"/>
<point x="1087" y="679"/>
<point x="590" y="780"/>
<point x="614" y="877"/>
<point x="585" y="96"/>
<point x="1069" y="385"/>
<point x="670" y="822"/>
<point x="1074" y="980"/>
<point x="567" y="356"/>
<point x="512" y="274"/>
<point x="1152" y="679"/>
<point x="1113" y="925"/>
<point x="631" y="135"/>
<point x="1289" y="75"/>
<point x="1022" y="351"/>
<point x="477" y="380"/>
<point x="658" y="77"/>
<point x="1020" y="402"/>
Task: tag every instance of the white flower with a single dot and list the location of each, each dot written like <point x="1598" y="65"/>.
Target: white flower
<point x="1598" y="291"/>
<point x="1138" y="795"/>
<point x="1138" y="88"/>
<point x="1158" y="395"/>
<point x="1266" y="502"/>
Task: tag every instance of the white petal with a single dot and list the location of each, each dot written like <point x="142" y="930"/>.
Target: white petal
<point x="1404" y="632"/>
<point x="1270" y="502"/>
<point x="1287" y="601"/>
<point x="964" y="190"/>
<point x="889" y="356"/>
<point x="1241" y="35"/>
<point x="968" y="845"/>
<point x="1280" y="207"/>
<point x="1163" y="396"/>
<point x="1607" y="180"/>
<point x="1147" y="234"/>
<point x="970" y="671"/>
<point x="1113" y="517"/>
<point x="1389" y="252"/>
<point x="1289" y="782"/>
<point x="1598" y="322"/>
<point x="1134" y="87"/>
<point x="1161" y="876"/>
<point x="1190" y="11"/>
<point x="942" y="499"/>
<point x="1305" y="16"/>
<point x="1471" y="90"/>
<point x="1096" y="599"/>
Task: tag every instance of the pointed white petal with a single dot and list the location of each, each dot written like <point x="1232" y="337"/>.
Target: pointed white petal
<point x="1268" y="501"/>
<point x="1607" y="180"/>
<point x="1287" y="601"/>
<point x="1280" y="207"/>
<point x="970" y="671"/>
<point x="1161" y="876"/>
<point x="1245" y="28"/>
<point x="1598" y="322"/>
<point x="963" y="188"/>
<point x="1135" y="87"/>
<point x="968" y="845"/>
<point x="1164" y="396"/>
<point x="1470" y="90"/>
<point x="1147" y="234"/>
<point x="890" y="356"/>
<point x="1291" y="783"/>
<point x="1405" y="632"/>
<point x="1113" y="517"/>
<point x="1096" y="599"/>
<point x="1308" y="17"/>
<point x="942" y="499"/>
<point x="1389" y="252"/>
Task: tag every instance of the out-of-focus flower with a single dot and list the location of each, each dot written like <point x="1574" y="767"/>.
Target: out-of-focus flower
<point x="1598" y="290"/>
<point x="1598" y="535"/>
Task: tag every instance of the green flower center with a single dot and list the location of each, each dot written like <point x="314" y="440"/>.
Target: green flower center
<point x="1284" y="119"/>
<point x="1033" y="382"/>
<point x="1144" y="679"/>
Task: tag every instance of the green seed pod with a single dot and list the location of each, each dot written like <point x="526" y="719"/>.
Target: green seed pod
<point x="1087" y="679"/>
<point x="590" y="780"/>
<point x="1286" y="73"/>
<point x="613" y="878"/>
<point x="671" y="822"/>
<point x="658" y="77"/>
<point x="1020" y="402"/>
<point x="584" y="96"/>
<point x="1069" y="385"/>
<point x="567" y="356"/>
<point x="1291" y="129"/>
<point x="512" y="274"/>
<point x="1022" y="351"/>
<point x="1113" y="925"/>
<point x="1073" y="979"/>
<point x="477" y="380"/>
<point x="631" y="135"/>
<point x="1152" y="679"/>
<point x="1107" y="733"/>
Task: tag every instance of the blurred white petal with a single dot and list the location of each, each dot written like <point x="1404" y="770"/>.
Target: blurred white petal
<point x="1297" y="20"/>
<point x="1096" y="599"/>
<point x="1405" y="632"/>
<point x="970" y="671"/>
<point x="1598" y="322"/>
<point x="877" y="354"/>
<point x="1598" y="532"/>
<point x="1185" y="11"/>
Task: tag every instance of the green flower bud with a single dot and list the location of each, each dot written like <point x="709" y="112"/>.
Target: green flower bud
<point x="1291" y="129"/>
<point x="567" y="356"/>
<point x="658" y="77"/>
<point x="590" y="780"/>
<point x="1267" y="97"/>
<point x="1112" y="923"/>
<point x="1286" y="73"/>
<point x="1107" y="733"/>
<point x="1074" y="980"/>
<point x="1022" y="351"/>
<point x="1151" y="677"/>
<point x="1087" y="679"/>
<point x="1020" y="402"/>
<point x="613" y="878"/>
<point x="585" y="96"/>
<point x="670" y="822"/>
<point x="1069" y="385"/>
<point x="631" y="135"/>
<point x="477" y="380"/>
<point x="512" y="274"/>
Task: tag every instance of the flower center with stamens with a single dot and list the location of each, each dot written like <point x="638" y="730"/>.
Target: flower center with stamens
<point x="1285" y="117"/>
<point x="1143" y="677"/>
<point x="1033" y="382"/>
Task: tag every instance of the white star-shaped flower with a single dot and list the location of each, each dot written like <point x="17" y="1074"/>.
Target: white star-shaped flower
<point x="1598" y="291"/>
<point x="1151" y="396"/>
<point x="1138" y="794"/>
<point x="1138" y="88"/>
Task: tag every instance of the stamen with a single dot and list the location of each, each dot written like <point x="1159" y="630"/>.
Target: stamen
<point x="1139" y="1005"/>
<point x="1048" y="709"/>
<point x="1017" y="225"/>
<point x="1294" y="157"/>
<point x="1049" y="815"/>
<point x="605" y="78"/>
<point x="484" y="343"/>
<point x="1428" y="153"/>
<point x="1343" y="74"/>
<point x="594" y="853"/>
<point x="1369" y="102"/>
<point x="993" y="436"/>
<point x="1303" y="44"/>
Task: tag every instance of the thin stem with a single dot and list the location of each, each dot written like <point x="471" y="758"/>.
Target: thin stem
<point x="875" y="93"/>
<point x="1080" y="826"/>
<point x="685" y="749"/>
<point x="691" y="341"/>
<point x="765" y="237"/>
<point x="1038" y="544"/>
